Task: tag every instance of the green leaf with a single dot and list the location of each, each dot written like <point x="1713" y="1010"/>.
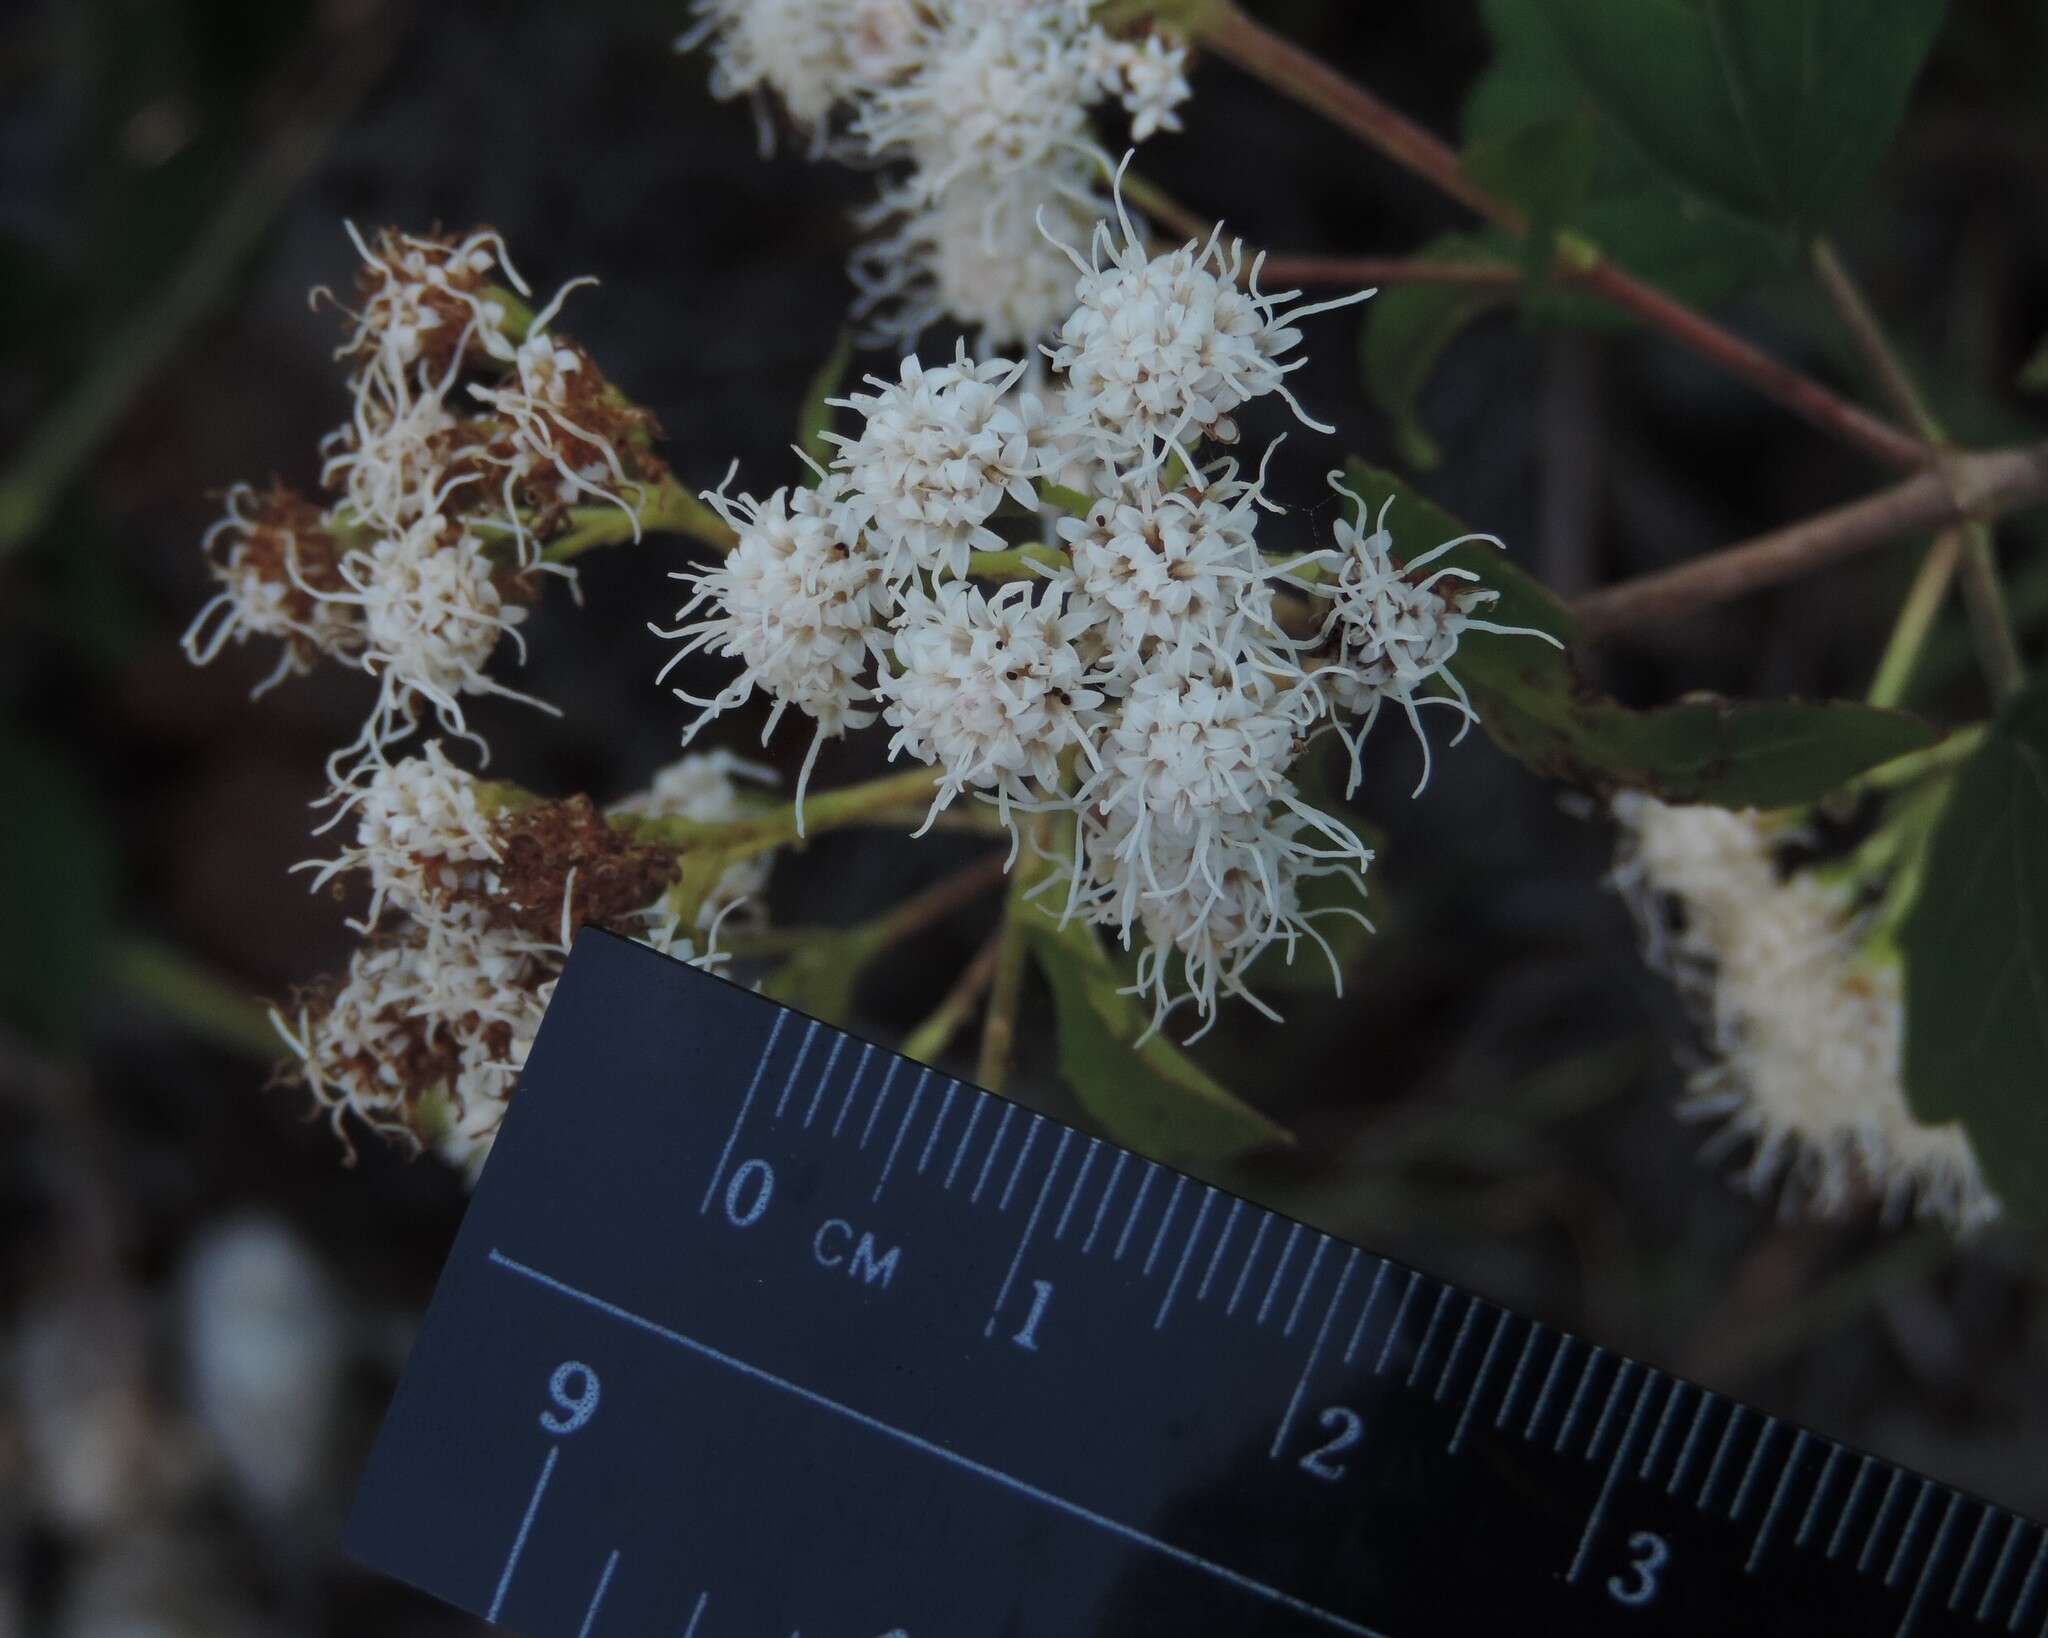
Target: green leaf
<point x="1535" y="705"/>
<point x="1976" y="952"/>
<point x="1546" y="168"/>
<point x="1630" y="209"/>
<point x="57" y="877"/>
<point x="1153" y="1097"/>
<point x="821" y="977"/>
<point x="1777" y="110"/>
<point x="816" y="419"/>
<point x="1408" y="327"/>
<point x="2034" y="374"/>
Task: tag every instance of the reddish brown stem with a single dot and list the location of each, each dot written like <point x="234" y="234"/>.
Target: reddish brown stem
<point x="1361" y="272"/>
<point x="1967" y="487"/>
<point x="1306" y="78"/>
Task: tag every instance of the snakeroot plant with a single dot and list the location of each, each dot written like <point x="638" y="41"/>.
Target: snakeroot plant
<point x="1044" y="566"/>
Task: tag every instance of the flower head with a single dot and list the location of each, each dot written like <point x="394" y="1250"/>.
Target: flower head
<point x="277" y="565"/>
<point x="1805" y="1021"/>
<point x="990" y="688"/>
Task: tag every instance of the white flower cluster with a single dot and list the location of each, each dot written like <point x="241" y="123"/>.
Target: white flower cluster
<point x="1156" y="675"/>
<point x="980" y="109"/>
<point x="472" y="430"/>
<point x="426" y="1034"/>
<point x="1805" y="1022"/>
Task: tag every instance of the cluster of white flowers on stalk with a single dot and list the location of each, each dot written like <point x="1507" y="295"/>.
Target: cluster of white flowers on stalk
<point x="474" y="430"/>
<point x="980" y="112"/>
<point x="1803" y="1013"/>
<point x="1146" y="687"/>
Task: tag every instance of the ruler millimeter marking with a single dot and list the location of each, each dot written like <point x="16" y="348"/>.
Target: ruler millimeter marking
<point x="747" y="1335"/>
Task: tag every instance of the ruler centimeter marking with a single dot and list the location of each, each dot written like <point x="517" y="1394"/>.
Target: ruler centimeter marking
<point x="576" y="1209"/>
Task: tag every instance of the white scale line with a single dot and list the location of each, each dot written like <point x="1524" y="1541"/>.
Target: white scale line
<point x="1165" y="1223"/>
<point x="1735" y="1415"/>
<point x="1222" y="1240"/>
<point x="2012" y="1544"/>
<point x="1756" y="1459"/>
<point x="1564" y="1348"/>
<point x="1571" y="1413"/>
<point x="1607" y="1410"/>
<point x="1394" y="1325"/>
<point x="903" y="1436"/>
<point x="1030" y="1226"/>
<point x="1074" y="1194"/>
<point x="1884" y="1508"/>
<point x="1017" y="1171"/>
<point x="1315" y="1353"/>
<point x="797" y="1068"/>
<point x="924" y="1158"/>
<point x="739" y="1120"/>
<point x="1692" y="1439"/>
<point x="1599" y="1513"/>
<point x="1436" y="1316"/>
<point x="988" y="1161"/>
<point x="1186" y="1251"/>
<point x="1820" y="1489"/>
<point x="1763" y="1534"/>
<point x="824" y="1079"/>
<point x="1279" y="1271"/>
<point x="867" y="1051"/>
<point x="1507" y="1405"/>
<point x="1500" y="1330"/>
<point x="1955" y="1593"/>
<point x="1849" y="1508"/>
<point x="540" y="1488"/>
<point x="1912" y="1529"/>
<point x="1102" y="1205"/>
<point x="604" y="1583"/>
<point x="1308" y="1282"/>
<point x="2027" y="1586"/>
<point x="881" y="1097"/>
<point x="1948" y="1519"/>
<point x="1650" y="1455"/>
<point x="1244" y="1273"/>
<point x="909" y="1115"/>
<point x="1358" y="1331"/>
<point x="1443" y="1381"/>
<point x="966" y="1137"/>
<point x="1123" y="1240"/>
<point x="696" y="1615"/>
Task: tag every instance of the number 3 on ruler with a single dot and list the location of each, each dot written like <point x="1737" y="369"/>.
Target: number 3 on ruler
<point x="1652" y="1553"/>
<point x="574" y="1390"/>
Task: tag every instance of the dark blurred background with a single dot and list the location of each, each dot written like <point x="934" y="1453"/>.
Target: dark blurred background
<point x="202" y="1310"/>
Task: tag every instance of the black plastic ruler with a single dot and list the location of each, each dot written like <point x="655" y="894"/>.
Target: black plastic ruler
<point x="755" y="1330"/>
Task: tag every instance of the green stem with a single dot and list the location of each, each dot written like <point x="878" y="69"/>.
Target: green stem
<point x="1006" y="987"/>
<point x="1015" y="563"/>
<point x="170" y="983"/>
<point x="1950" y="752"/>
<point x="1916" y="618"/>
<point x="742" y="838"/>
<point x="928" y="1042"/>
<point x="668" y="509"/>
<point x="1991" y="626"/>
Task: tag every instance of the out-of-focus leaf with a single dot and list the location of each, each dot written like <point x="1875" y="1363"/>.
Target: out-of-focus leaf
<point x="1536" y="706"/>
<point x="1773" y="109"/>
<point x="57" y="886"/>
<point x="1976" y="952"/>
<point x="2034" y="374"/>
<point x="1153" y="1097"/>
<point x="820" y="978"/>
<point x="1545" y="167"/>
<point x="1626" y="207"/>
<point x="1408" y="327"/>
<point x="816" y="419"/>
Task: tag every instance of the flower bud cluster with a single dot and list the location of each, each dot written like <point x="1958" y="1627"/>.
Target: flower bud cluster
<point x="979" y="110"/>
<point x="1152" y="680"/>
<point x="1802" y="1010"/>
<point x="473" y="430"/>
